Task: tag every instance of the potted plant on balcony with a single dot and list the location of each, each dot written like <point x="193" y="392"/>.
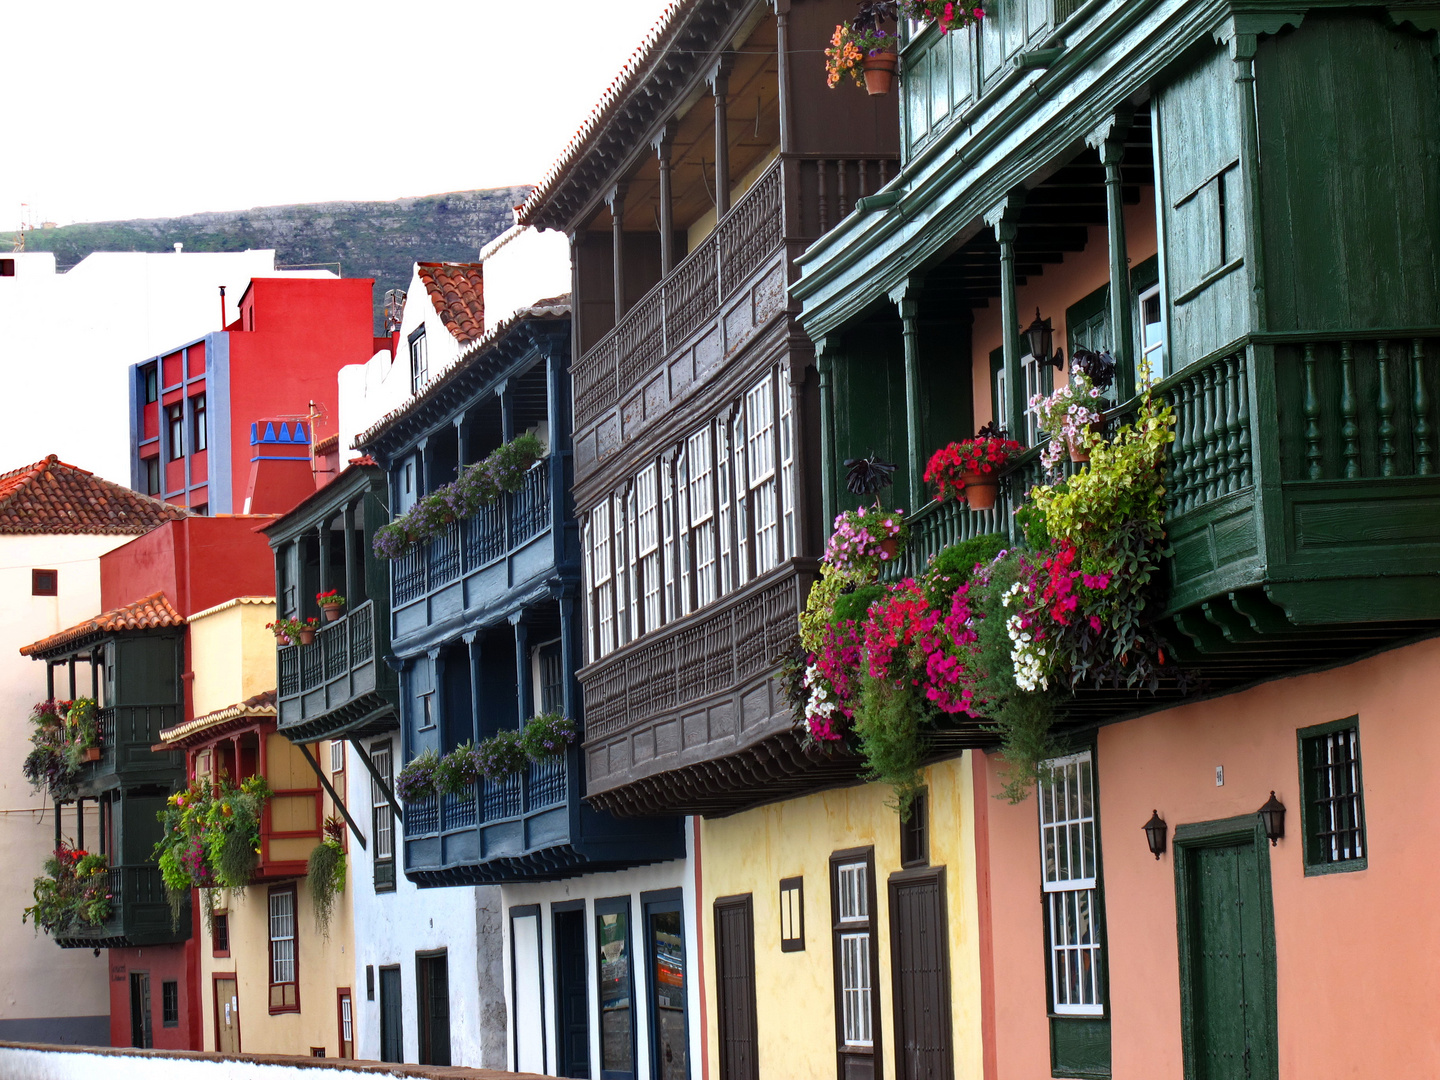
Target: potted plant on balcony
<point x="546" y="735"/>
<point x="509" y="463"/>
<point x="305" y="630"/>
<point x="970" y="469"/>
<point x="1071" y="416"/>
<point x="74" y="893"/>
<point x="331" y="604"/>
<point x="862" y="51"/>
<point x="866" y="537"/>
<point x="53" y="763"/>
<point x="457" y="772"/>
<point x="945" y="14"/>
<point x="501" y="756"/>
<point x="81" y="730"/>
<point x="417" y="779"/>
<point x="211" y="837"/>
<point x="325" y="873"/>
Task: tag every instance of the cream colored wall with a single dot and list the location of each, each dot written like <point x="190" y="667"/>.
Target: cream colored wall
<point x="705" y="224"/>
<point x="751" y="852"/>
<point x="324" y="964"/>
<point x="37" y="978"/>
<point x="231" y="654"/>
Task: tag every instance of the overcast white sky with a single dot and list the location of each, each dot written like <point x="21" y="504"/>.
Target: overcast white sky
<point x="163" y="107"/>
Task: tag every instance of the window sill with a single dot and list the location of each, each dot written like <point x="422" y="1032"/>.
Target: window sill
<point x="1346" y="866"/>
<point x="276" y="1010"/>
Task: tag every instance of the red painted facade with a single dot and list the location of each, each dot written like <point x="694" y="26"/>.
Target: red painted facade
<point x="163" y="963"/>
<point x="280" y="358"/>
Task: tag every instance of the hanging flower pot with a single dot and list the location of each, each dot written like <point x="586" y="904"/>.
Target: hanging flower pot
<point x="981" y="489"/>
<point x="890" y="547"/>
<point x="1078" y="453"/>
<point x="880" y="72"/>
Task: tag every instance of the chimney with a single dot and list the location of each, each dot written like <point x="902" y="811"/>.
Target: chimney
<point x="179" y="247"/>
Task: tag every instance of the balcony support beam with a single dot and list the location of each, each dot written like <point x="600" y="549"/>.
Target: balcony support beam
<point x="569" y="650"/>
<point x="907" y="299"/>
<point x="616" y="202"/>
<point x="666" y="221"/>
<point x="524" y="691"/>
<point x="379" y="781"/>
<point x="824" y="363"/>
<point x="334" y="795"/>
<point x="322" y="538"/>
<point x="472" y="652"/>
<point x="720" y="87"/>
<point x="1109" y="140"/>
<point x="1003" y="218"/>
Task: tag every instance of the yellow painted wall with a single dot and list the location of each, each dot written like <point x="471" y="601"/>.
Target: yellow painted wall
<point x="795" y="997"/>
<point x="324" y="964"/>
<point x="231" y="653"/>
<point x="705" y="223"/>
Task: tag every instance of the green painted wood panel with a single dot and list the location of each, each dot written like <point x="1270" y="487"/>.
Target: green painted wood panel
<point x="870" y="406"/>
<point x="1349" y="119"/>
<point x="1203" y="216"/>
<point x="1231" y="1011"/>
<point x="1079" y="1046"/>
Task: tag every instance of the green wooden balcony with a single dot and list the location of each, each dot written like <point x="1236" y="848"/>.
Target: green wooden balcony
<point x="1302" y="504"/>
<point x="139" y="915"/>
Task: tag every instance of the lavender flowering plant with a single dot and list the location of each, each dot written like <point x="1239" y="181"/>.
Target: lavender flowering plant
<point x="458" y="770"/>
<point x="547" y="735"/>
<point x="501" y="756"/>
<point x="419" y="778"/>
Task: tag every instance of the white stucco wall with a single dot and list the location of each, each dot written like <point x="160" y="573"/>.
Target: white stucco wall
<point x="391" y="927"/>
<point x="676" y="874"/>
<point x="22" y="1063"/>
<point x="82" y="329"/>
<point x="38" y="979"/>
<point x="523" y="265"/>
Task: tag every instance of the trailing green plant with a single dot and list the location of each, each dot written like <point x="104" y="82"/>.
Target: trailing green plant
<point x="478" y="485"/>
<point x="61" y="733"/>
<point x="74" y="893"/>
<point x="325" y="873"/>
<point x="417" y="779"/>
<point x="956" y="564"/>
<point x="501" y="756"/>
<point x="852" y="606"/>
<point x="211" y="837"/>
<point x="546" y="735"/>
<point x="457" y="771"/>
<point x="888" y="724"/>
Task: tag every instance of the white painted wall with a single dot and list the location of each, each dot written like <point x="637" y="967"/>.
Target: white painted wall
<point x="532" y="1045"/>
<point x="82" y="329"/>
<point x="38" y="979"/>
<point x="391" y="927"/>
<point x="523" y="265"/>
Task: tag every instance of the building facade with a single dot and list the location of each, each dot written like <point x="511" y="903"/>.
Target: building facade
<point x="199" y="412"/>
<point x="1137" y="174"/>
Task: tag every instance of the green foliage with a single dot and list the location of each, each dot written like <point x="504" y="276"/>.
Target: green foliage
<point x="325" y="874"/>
<point x="887" y="723"/>
<point x="546" y="735"/>
<point x="953" y="566"/>
<point x="211" y="837"/>
<point x="74" y="892"/>
<point x="62" y="732"/>
<point x="511" y="461"/>
<point x="819" y="610"/>
<point x="456" y="772"/>
<point x="852" y="606"/>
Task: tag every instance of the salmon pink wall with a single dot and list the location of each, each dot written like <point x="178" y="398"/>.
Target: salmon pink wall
<point x="1055" y="290"/>
<point x="1356" y="975"/>
<point x="178" y="963"/>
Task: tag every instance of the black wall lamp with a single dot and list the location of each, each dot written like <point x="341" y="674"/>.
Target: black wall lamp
<point x="1040" y="337"/>
<point x="1272" y="816"/>
<point x="1155" y="830"/>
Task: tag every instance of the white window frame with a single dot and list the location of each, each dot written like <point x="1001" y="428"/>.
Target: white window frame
<point x="857" y="980"/>
<point x="700" y="504"/>
<point x="788" y="468"/>
<point x="1153" y="352"/>
<point x="282" y="935"/>
<point x="602" y="577"/>
<point x="725" y="511"/>
<point x="648" y="531"/>
<point x="381" y="815"/>
<point x="337" y="756"/>
<point x="760" y="474"/>
<point x="1070" y="878"/>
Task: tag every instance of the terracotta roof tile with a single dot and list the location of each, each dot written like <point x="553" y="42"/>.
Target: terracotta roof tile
<point x="260" y="706"/>
<point x="457" y="291"/>
<point x="152" y="613"/>
<point x="325" y="445"/>
<point x="53" y="497"/>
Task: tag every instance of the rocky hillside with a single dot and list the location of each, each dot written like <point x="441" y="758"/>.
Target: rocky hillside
<point x="367" y="239"/>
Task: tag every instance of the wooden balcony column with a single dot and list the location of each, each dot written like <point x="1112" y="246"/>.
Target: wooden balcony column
<point x="1002" y="218"/>
<point x="354" y="567"/>
<point x="79" y="823"/>
<point x="424" y="480"/>
<point x="70" y="664"/>
<point x="472" y="652"/>
<point x="782" y="67"/>
<point x="616" y="201"/>
<point x="95" y="675"/>
<point x="58" y="837"/>
<point x="907" y="298"/>
<point x="720" y="87"/>
<point x="507" y="410"/>
<point x="569" y="649"/>
<point x="464" y="448"/>
<point x="49" y="681"/>
<point x="1109" y="140"/>
<point x="322" y="534"/>
<point x="666" y="222"/>
<point x="524" y="690"/>
<point x="824" y="364"/>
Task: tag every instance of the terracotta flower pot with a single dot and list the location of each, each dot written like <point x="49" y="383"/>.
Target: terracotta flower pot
<point x="880" y="72"/>
<point x="307" y="637"/>
<point x="332" y="611"/>
<point x="981" y="490"/>
<point x="283" y="639"/>
<point x="90" y="753"/>
<point x="891" y="547"/>
<point x="1078" y="452"/>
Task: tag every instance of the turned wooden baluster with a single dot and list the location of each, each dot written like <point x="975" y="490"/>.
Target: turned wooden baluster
<point x="842" y="203"/>
<point x="1349" y="430"/>
<point x="1176" y="485"/>
<point x="820" y="202"/>
<point x="1245" y="462"/>
<point x="1232" y="424"/>
<point x="1194" y="448"/>
<point x="1313" y="453"/>
<point x="1423" y="430"/>
<point x="1211" y="487"/>
<point x="1385" y="408"/>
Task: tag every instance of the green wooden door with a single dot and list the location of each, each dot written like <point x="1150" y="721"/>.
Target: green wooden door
<point x="1231" y="999"/>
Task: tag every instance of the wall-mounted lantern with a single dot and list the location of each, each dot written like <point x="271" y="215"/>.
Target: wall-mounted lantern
<point x="1155" y="830"/>
<point x="1272" y="816"/>
<point x="1040" y="337"/>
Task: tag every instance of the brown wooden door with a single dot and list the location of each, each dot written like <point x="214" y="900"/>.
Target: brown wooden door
<point x="920" y="965"/>
<point x="735" y="978"/>
<point x="227" y="1016"/>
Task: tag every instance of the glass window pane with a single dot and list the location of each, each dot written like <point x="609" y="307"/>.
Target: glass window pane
<point x="616" y="1034"/>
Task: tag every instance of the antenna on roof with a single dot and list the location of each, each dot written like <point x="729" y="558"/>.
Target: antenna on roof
<point x="394" y="309"/>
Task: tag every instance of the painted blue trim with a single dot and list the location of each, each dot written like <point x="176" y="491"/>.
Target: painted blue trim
<point x="278" y="457"/>
<point x="137" y="395"/>
<point x="219" y="461"/>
